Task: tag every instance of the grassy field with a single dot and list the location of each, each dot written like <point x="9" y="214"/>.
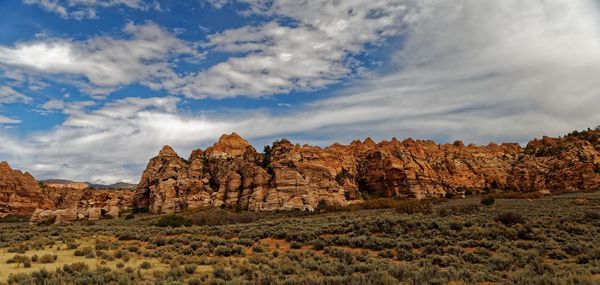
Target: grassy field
<point x="515" y="240"/>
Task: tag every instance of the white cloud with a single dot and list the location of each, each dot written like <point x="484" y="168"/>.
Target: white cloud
<point x="314" y="52"/>
<point x="54" y="104"/>
<point x="105" y="62"/>
<point x="218" y="4"/>
<point x="9" y="95"/>
<point x="108" y="144"/>
<point x="7" y="120"/>
<point x="19" y="78"/>
<point x="86" y="9"/>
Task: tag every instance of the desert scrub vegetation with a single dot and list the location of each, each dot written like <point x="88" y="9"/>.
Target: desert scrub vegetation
<point x="488" y="201"/>
<point x="546" y="240"/>
<point x="173" y="220"/>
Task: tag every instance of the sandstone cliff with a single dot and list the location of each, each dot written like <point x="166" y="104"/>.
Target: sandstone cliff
<point x="74" y="204"/>
<point x="288" y="176"/>
<point x="19" y="192"/>
<point x="67" y="184"/>
<point x="56" y="202"/>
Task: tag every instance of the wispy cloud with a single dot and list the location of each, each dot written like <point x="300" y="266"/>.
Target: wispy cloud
<point x="105" y="62"/>
<point x="313" y="52"/>
<point x="9" y="95"/>
<point x="87" y="9"/>
<point x="7" y="120"/>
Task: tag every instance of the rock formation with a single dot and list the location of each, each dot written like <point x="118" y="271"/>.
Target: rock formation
<point x="68" y="184"/>
<point x="233" y="174"/>
<point x="74" y="204"/>
<point x="19" y="193"/>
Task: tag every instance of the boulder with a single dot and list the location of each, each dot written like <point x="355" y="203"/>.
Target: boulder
<point x="41" y="216"/>
<point x="94" y="213"/>
<point x="65" y="216"/>
<point x="112" y="213"/>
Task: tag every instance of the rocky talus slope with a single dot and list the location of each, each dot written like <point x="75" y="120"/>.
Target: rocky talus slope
<point x="19" y="193"/>
<point x="288" y="176"/>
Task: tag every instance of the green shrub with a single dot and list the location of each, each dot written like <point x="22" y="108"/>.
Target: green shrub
<point x="224" y="250"/>
<point x="221" y="272"/>
<point x="500" y="262"/>
<point x="20" y="278"/>
<point x="456" y="226"/>
<point x="558" y="254"/>
<point x="127" y="235"/>
<point x="258" y="249"/>
<point x="133" y="248"/>
<point x="190" y="268"/>
<point x="145" y="265"/>
<point x="105" y="255"/>
<point x="488" y="201"/>
<point x="381" y="203"/>
<point x="18" y="249"/>
<point x="386" y="253"/>
<point x="510" y="218"/>
<point x="173" y="221"/>
<point x="102" y="245"/>
<point x="88" y="252"/>
<point x="18" y="259"/>
<point x="591" y="216"/>
<point x="414" y="207"/>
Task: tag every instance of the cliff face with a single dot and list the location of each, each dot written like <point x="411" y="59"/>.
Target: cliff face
<point x="20" y="193"/>
<point x="83" y="199"/>
<point x="550" y="164"/>
<point x="74" y="204"/>
<point x="232" y="173"/>
<point x="67" y="184"/>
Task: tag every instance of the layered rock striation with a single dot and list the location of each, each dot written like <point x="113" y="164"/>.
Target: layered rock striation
<point x="74" y="204"/>
<point x="19" y="193"/>
<point x="54" y="201"/>
<point x="288" y="176"/>
<point x="67" y="184"/>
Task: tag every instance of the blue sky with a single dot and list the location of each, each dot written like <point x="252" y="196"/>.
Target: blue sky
<point x="90" y="90"/>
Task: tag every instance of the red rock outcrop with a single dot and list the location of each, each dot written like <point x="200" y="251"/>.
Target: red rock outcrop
<point x="19" y="193"/>
<point x="232" y="173"/>
<point x="58" y="183"/>
<point x="82" y="204"/>
<point x="551" y="164"/>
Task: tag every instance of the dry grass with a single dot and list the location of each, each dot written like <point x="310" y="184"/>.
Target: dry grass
<point x="67" y="256"/>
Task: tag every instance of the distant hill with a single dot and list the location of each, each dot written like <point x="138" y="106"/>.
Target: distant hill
<point x="64" y="183"/>
<point x="119" y="185"/>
